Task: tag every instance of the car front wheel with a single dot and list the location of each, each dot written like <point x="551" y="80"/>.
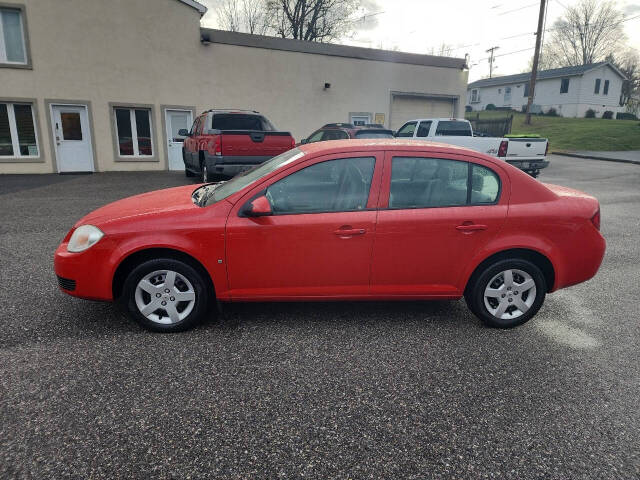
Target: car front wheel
<point x="506" y="293"/>
<point x="166" y="295"/>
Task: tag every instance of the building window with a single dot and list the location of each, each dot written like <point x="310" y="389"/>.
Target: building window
<point x="12" y="38"/>
<point x="605" y="90"/>
<point x="596" y="90"/>
<point x="475" y="96"/>
<point x="133" y="127"/>
<point x="17" y="130"/>
<point x="526" y="90"/>
<point x="564" y="85"/>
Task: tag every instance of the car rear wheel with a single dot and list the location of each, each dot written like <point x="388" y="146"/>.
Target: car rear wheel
<point x="506" y="293"/>
<point x="166" y="295"/>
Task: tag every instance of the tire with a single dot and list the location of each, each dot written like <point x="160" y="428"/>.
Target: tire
<point x="146" y="286"/>
<point x="498" y="304"/>
<point x="187" y="172"/>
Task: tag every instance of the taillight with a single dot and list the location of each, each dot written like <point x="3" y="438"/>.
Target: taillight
<point x="293" y="142"/>
<point x="596" y="219"/>
<point x="218" y="147"/>
<point x="546" y="150"/>
<point x="502" y="151"/>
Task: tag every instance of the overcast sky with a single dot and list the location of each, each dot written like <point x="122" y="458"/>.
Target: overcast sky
<point x="471" y="26"/>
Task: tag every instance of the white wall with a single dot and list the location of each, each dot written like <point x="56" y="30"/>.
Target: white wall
<point x="149" y="52"/>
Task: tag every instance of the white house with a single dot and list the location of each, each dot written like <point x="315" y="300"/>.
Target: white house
<point x="570" y="90"/>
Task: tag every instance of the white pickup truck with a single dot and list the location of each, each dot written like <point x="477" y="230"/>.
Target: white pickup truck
<point x="526" y="153"/>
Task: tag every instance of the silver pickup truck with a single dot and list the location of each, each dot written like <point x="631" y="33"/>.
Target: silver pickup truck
<point x="526" y="153"/>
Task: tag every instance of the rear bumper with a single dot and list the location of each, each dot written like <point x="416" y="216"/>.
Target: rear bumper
<point x="528" y="165"/>
<point x="582" y="262"/>
<point x="232" y="165"/>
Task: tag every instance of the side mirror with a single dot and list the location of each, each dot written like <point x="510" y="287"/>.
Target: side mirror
<point x="183" y="132"/>
<point x="259" y="207"/>
<point x="304" y="140"/>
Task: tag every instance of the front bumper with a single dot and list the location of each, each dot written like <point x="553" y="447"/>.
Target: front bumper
<point x="85" y="274"/>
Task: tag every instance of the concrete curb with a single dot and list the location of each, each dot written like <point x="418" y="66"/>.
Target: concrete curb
<point x="591" y="157"/>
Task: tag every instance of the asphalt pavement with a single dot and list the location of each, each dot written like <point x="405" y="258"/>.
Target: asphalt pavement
<point x="315" y="390"/>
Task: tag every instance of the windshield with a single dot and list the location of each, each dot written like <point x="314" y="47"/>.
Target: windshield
<point x="240" y="121"/>
<point x="374" y="134"/>
<point x="221" y="191"/>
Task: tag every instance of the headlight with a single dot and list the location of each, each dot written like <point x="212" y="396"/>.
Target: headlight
<point x="84" y="237"/>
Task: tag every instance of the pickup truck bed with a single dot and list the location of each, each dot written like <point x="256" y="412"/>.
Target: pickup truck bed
<point x="225" y="143"/>
<point x="528" y="154"/>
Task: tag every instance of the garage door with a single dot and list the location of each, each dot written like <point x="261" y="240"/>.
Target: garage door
<point x="405" y="108"/>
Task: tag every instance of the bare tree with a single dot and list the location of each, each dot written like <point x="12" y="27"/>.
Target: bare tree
<point x="587" y="33"/>
<point x="628" y="62"/>
<point x="229" y="16"/>
<point x="444" y="50"/>
<point x="310" y="20"/>
<point x="249" y="16"/>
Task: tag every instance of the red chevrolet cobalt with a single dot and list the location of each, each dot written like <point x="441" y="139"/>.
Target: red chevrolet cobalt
<point x="340" y="220"/>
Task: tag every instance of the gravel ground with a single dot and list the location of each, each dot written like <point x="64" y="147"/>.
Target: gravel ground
<point x="336" y="390"/>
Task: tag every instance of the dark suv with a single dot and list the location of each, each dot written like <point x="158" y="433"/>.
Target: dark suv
<point x="343" y="131"/>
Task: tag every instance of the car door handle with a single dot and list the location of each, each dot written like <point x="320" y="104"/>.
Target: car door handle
<point x="349" y="232"/>
<point x="471" y="227"/>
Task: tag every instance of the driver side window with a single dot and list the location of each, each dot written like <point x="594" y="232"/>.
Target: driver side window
<point x="407" y="130"/>
<point x="333" y="186"/>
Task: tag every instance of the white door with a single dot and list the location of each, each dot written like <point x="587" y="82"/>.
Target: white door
<point x="176" y="120"/>
<point x="72" y="137"/>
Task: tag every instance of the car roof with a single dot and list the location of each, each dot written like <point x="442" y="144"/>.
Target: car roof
<point x="443" y="119"/>
<point x="232" y="110"/>
<point x="373" y="144"/>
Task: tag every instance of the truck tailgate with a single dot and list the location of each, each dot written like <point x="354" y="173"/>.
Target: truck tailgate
<point x="254" y="143"/>
<point x="526" y="149"/>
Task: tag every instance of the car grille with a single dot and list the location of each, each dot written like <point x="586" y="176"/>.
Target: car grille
<point x="66" y="283"/>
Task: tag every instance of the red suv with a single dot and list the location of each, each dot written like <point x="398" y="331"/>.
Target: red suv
<point x="343" y="131"/>
<point x="227" y="142"/>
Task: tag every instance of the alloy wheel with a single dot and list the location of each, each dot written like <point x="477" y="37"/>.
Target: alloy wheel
<point x="165" y="297"/>
<point x="510" y="294"/>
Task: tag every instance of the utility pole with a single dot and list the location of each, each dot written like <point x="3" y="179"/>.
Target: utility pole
<point x="536" y="57"/>
<point x="492" y="49"/>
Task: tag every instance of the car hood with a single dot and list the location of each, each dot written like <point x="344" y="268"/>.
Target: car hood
<point x="152" y="203"/>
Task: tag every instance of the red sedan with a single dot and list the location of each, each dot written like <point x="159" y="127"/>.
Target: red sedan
<point x="344" y="220"/>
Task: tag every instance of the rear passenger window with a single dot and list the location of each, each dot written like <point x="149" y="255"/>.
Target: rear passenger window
<point x="423" y="129"/>
<point x="428" y="182"/>
<point x="418" y="182"/>
<point x="485" y="185"/>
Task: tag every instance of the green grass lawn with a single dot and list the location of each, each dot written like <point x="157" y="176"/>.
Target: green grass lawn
<point x="575" y="133"/>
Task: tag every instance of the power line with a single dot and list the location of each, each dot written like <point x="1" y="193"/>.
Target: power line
<point x="518" y="9"/>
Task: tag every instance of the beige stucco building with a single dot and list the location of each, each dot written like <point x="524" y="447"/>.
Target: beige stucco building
<point x="92" y="85"/>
